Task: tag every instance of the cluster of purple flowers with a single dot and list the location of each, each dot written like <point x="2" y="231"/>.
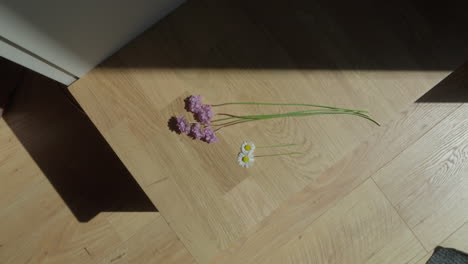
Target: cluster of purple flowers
<point x="203" y="114"/>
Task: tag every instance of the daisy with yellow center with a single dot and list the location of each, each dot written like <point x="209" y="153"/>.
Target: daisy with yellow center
<point x="247" y="147"/>
<point x="245" y="160"/>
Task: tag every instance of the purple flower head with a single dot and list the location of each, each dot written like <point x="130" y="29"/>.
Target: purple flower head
<point x="210" y="136"/>
<point x="196" y="131"/>
<point x="204" y="115"/>
<point x="182" y="125"/>
<point x="193" y="103"/>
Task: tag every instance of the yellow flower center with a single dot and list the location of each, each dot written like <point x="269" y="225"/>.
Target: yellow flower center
<point x="248" y="147"/>
<point x="245" y="159"/>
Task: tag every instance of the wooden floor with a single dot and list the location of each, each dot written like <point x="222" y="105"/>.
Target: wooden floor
<point x="362" y="194"/>
<point x="408" y="195"/>
<point x="47" y="143"/>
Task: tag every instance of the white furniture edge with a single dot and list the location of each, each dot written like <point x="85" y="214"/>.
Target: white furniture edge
<point x="15" y="54"/>
<point x="76" y="36"/>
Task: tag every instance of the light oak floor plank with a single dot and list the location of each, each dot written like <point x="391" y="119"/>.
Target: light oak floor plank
<point x="428" y="182"/>
<point x="457" y="240"/>
<point x="362" y="228"/>
<point x="153" y="243"/>
<point x="303" y="208"/>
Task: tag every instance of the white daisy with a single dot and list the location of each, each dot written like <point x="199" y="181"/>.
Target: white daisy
<point x="245" y="160"/>
<point x="247" y="147"/>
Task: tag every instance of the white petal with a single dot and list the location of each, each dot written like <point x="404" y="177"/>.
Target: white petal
<point x="245" y="143"/>
<point x="242" y="163"/>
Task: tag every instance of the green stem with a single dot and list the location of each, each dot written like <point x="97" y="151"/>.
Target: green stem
<point x="313" y="105"/>
<point x="293" y="114"/>
<point x="234" y="123"/>
<point x="304" y="111"/>
<point x="222" y="119"/>
<point x="280" y="154"/>
<point x="368" y="118"/>
<point x="278" y="146"/>
<point x="242" y="119"/>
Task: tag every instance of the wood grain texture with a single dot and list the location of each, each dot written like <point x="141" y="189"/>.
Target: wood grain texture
<point x="303" y="208"/>
<point x="154" y="243"/>
<point x="456" y="240"/>
<point x="361" y="228"/>
<point x="37" y="224"/>
<point x="226" y="53"/>
<point x="428" y="182"/>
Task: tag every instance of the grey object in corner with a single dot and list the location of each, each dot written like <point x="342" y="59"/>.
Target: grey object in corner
<point x="448" y="256"/>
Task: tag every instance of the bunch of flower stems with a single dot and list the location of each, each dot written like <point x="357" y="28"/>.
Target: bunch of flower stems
<point x="230" y="119"/>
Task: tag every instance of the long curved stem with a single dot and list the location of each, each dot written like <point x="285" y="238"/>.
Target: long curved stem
<point x="280" y="154"/>
<point x="284" y="104"/>
<point x="243" y="119"/>
<point x="293" y="114"/>
<point x="278" y="146"/>
<point x="304" y="111"/>
<point x="234" y="123"/>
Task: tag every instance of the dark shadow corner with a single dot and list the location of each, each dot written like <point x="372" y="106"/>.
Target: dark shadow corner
<point x="414" y="35"/>
<point x="70" y="151"/>
<point x="452" y="89"/>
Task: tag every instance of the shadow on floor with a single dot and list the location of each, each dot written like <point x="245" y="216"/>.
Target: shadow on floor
<point x="306" y="34"/>
<point x="70" y="151"/>
<point x="453" y="89"/>
<point x="11" y="74"/>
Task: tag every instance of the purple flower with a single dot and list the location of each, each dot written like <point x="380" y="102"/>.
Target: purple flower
<point x="193" y="103"/>
<point x="210" y="136"/>
<point x="182" y="125"/>
<point x="204" y="115"/>
<point x="196" y="131"/>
